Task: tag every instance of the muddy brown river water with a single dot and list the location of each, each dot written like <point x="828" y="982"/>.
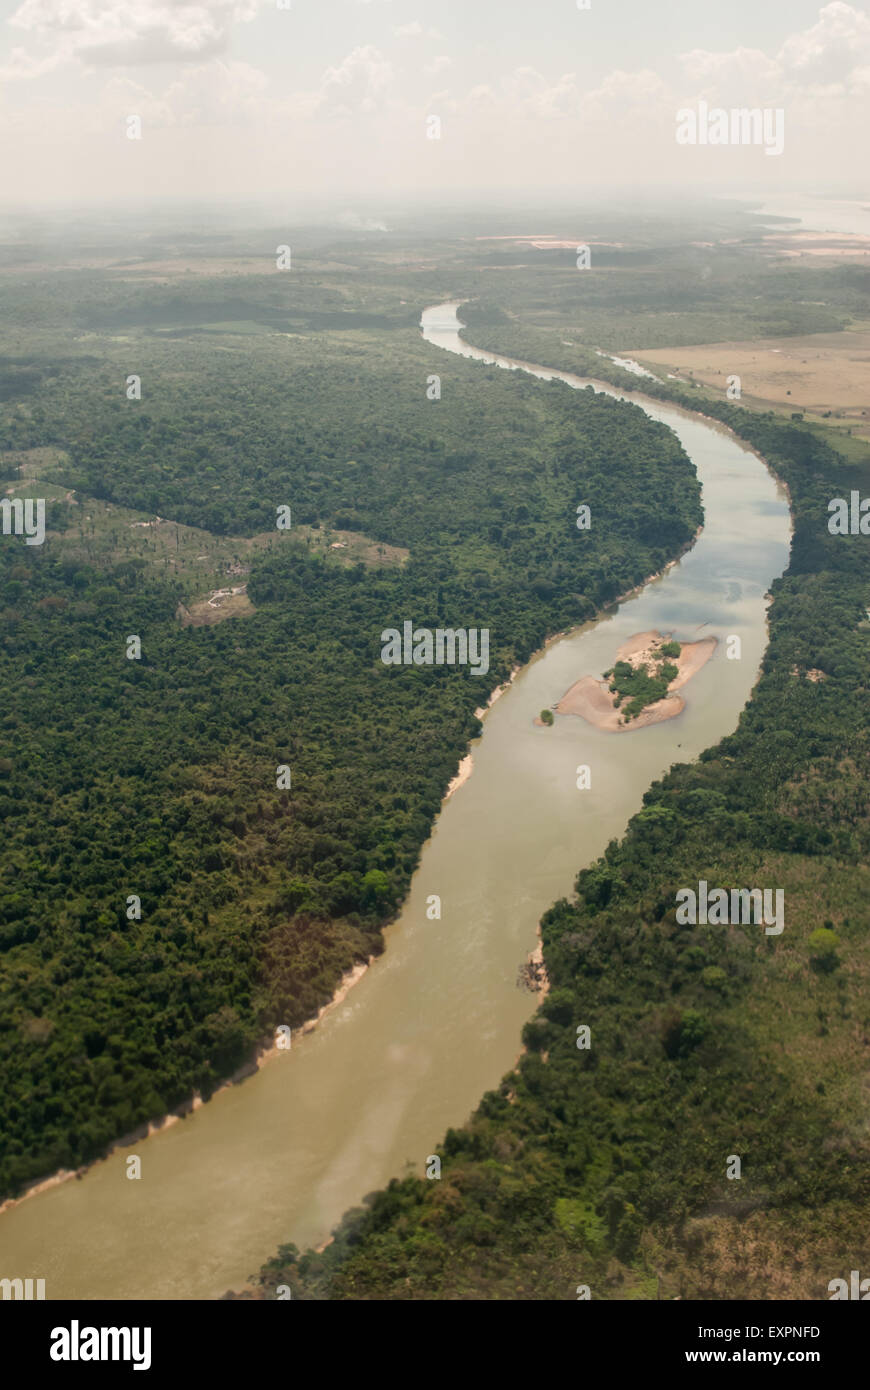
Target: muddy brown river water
<point x="436" y="1020"/>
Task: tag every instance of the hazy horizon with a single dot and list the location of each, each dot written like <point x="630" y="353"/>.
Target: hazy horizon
<point x="245" y="101"/>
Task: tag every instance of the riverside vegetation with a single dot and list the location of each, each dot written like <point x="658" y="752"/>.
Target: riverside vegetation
<point x="608" y="1165"/>
<point x="157" y="777"/>
<point x="638" y="686"/>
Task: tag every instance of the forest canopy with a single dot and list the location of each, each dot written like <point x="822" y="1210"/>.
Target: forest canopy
<point x="157" y="777"/>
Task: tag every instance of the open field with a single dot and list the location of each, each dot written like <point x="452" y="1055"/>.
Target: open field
<point x="825" y="374"/>
<point x="832" y="245"/>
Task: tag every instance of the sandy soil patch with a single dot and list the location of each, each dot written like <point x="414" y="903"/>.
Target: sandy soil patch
<point x="465" y="769"/>
<point x="220" y="604"/>
<point x="643" y="648"/>
<point x="506" y="685"/>
<point x="350" y="547"/>
<point x="592" y="700"/>
<point x="812" y="674"/>
<point x="544" y="241"/>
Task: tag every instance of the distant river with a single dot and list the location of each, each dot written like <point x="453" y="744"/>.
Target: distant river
<point x="436" y="1020"/>
<point x="818" y="214"/>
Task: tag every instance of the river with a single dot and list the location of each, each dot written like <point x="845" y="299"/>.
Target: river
<point x="436" y="1020"/>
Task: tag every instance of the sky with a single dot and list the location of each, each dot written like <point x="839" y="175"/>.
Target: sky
<point x="336" y="98"/>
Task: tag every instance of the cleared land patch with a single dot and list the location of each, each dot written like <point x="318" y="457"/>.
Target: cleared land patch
<point x="211" y="568"/>
<point x="822" y="374"/>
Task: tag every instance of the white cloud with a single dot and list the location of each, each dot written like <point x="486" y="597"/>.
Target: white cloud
<point x="217" y="94"/>
<point x="358" y="84"/>
<point x="363" y="119"/>
<point x="527" y="95"/>
<point x="23" y="66"/>
<point x="831" y="51"/>
<point x="731" y="76"/>
<point x="124" y="32"/>
<point x="831" y="54"/>
<point x="820" y="77"/>
<point x="415" y="30"/>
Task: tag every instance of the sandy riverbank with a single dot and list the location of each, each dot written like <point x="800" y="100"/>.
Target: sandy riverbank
<point x="145" y="1131"/>
<point x="264" y="1054"/>
<point x="463" y="773"/>
<point x="592" y="700"/>
<point x="500" y="689"/>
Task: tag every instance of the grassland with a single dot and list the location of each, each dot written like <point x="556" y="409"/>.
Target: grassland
<point x="823" y="375"/>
